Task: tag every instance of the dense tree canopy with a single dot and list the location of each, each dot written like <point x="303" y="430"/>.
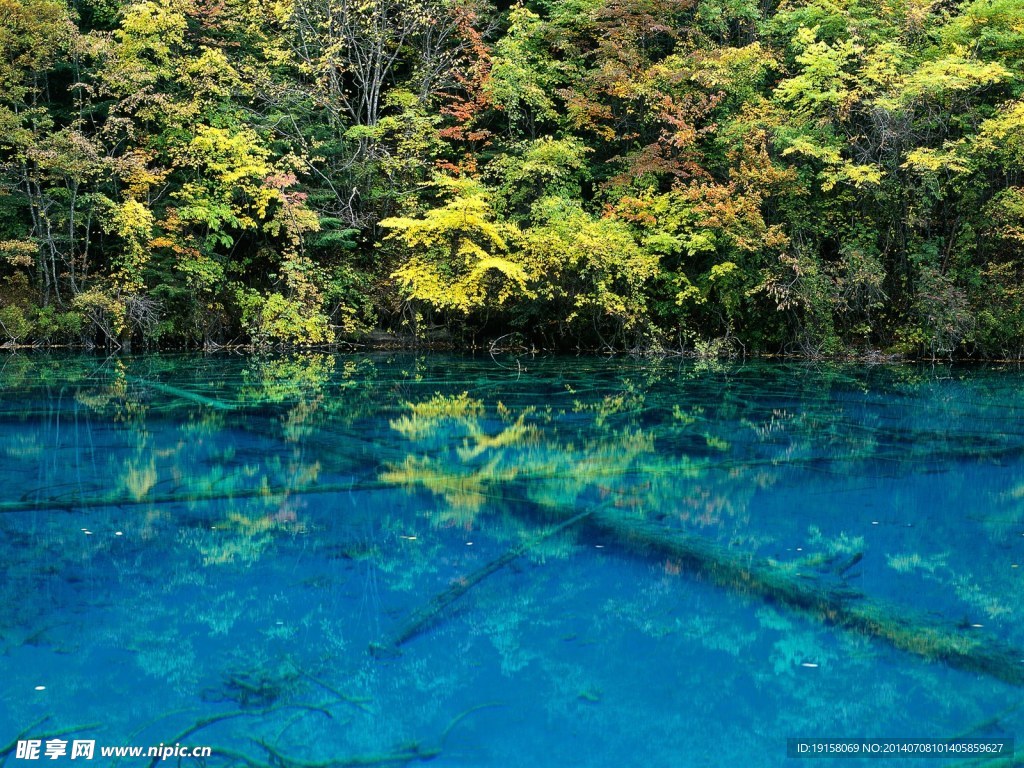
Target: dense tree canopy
<point x="816" y="176"/>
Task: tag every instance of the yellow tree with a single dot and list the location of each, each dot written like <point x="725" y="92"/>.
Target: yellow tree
<point x="458" y="255"/>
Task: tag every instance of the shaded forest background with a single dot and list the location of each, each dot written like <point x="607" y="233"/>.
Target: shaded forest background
<point x="812" y="176"/>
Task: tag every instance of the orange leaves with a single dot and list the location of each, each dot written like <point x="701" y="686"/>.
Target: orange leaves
<point x="634" y="210"/>
<point x="587" y="114"/>
<point x="281" y="180"/>
<point x="632" y="24"/>
<point x="735" y="207"/>
<point x="471" y="77"/>
<point x="674" y="151"/>
<point x="174" y="246"/>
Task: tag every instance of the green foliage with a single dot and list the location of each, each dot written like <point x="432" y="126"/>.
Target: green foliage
<point x="277" y="319"/>
<point x="13" y="324"/>
<point x="824" y="81"/>
<point x="523" y="77"/>
<point x="591" y="271"/>
<point x="54" y="326"/>
<point x="541" y="168"/>
<point x="816" y="176"/>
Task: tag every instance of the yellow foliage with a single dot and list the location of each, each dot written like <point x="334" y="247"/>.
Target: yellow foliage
<point x="837" y="169"/>
<point x="950" y="74"/>
<point x="139" y="478"/>
<point x="453" y="262"/>
<point x="948" y="160"/>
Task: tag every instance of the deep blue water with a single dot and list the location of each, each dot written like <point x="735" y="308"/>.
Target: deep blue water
<point x="185" y="537"/>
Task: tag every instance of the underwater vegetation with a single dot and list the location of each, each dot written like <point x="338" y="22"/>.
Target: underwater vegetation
<point x="315" y="560"/>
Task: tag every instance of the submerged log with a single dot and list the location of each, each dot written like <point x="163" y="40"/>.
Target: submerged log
<point x="428" y="615"/>
<point x="403" y="754"/>
<point x="186" y="496"/>
<point x="845" y="567"/>
<point x="183" y="394"/>
<point x="206" y="722"/>
<point x="834" y="605"/>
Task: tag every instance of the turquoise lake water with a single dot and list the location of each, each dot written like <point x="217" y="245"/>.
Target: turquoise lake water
<point x="386" y="559"/>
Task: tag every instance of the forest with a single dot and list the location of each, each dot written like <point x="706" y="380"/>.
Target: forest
<point x="716" y="177"/>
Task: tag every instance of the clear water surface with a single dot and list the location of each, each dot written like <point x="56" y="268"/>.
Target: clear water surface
<point x="386" y="559"/>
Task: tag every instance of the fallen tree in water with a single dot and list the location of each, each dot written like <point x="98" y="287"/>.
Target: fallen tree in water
<point x="434" y="611"/>
<point x="827" y="600"/>
<point x="832" y="603"/>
